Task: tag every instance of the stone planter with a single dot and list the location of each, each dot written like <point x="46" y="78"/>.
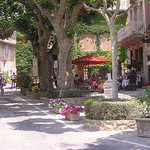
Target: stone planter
<point x="143" y="127"/>
<point x="24" y="90"/>
<point x="37" y="95"/>
<point x="109" y="125"/>
<point x="73" y="117"/>
<point x="56" y="109"/>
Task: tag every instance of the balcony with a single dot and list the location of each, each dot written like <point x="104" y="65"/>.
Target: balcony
<point x="131" y="34"/>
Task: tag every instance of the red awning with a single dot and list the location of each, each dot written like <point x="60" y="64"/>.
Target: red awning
<point x="89" y="60"/>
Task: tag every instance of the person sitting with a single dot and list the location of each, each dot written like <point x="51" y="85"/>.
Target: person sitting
<point x="76" y="78"/>
<point x="89" y="79"/>
<point x="95" y="81"/>
<point x="119" y="81"/>
<point x="81" y="80"/>
<point x="132" y="80"/>
<point x="139" y="81"/>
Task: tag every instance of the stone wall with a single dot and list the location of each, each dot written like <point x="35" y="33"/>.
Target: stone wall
<point x="109" y="125"/>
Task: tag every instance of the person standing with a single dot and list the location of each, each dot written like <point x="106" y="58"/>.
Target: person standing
<point x="76" y="78"/>
<point x="13" y="80"/>
<point x="2" y="81"/>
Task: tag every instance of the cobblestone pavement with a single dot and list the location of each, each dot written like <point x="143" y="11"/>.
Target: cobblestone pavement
<point x="27" y="124"/>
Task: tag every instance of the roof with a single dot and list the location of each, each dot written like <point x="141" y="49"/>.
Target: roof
<point x="8" y="41"/>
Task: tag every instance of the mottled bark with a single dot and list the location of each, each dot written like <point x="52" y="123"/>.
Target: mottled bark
<point x="65" y="78"/>
<point x="45" y="69"/>
<point x="113" y="37"/>
<point x="61" y="19"/>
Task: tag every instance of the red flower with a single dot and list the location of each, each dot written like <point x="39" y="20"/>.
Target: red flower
<point x="4" y="60"/>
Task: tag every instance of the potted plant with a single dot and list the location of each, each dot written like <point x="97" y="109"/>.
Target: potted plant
<point x="25" y="80"/>
<point x="71" y="112"/>
<point x="143" y="122"/>
<point x="36" y="91"/>
<point x="57" y="105"/>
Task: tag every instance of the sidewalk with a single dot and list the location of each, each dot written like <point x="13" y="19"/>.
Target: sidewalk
<point x="126" y="137"/>
<point x="124" y="94"/>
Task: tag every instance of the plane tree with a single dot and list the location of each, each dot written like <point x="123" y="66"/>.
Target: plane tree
<point x="110" y="10"/>
<point x="17" y="16"/>
<point x="62" y="14"/>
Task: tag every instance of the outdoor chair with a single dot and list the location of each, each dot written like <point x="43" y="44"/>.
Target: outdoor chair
<point x="132" y="83"/>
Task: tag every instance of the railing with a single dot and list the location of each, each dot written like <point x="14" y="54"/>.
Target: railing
<point x="132" y="28"/>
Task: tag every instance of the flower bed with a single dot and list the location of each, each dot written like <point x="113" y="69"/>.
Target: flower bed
<point x="71" y="112"/>
<point x="71" y="109"/>
<point x="147" y="83"/>
<point x="57" y="105"/>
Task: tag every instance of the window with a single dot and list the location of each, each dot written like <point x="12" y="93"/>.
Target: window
<point x="6" y="50"/>
<point x="138" y="60"/>
<point x="131" y="56"/>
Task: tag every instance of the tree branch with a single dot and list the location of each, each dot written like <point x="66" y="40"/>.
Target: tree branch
<point x="131" y="6"/>
<point x="61" y="10"/>
<point x="46" y="12"/>
<point x="110" y="13"/>
<point x="105" y="6"/>
<point x="75" y="12"/>
<point x="101" y="11"/>
<point x="116" y="10"/>
<point x="91" y="8"/>
<point x="94" y="4"/>
<point x="8" y="31"/>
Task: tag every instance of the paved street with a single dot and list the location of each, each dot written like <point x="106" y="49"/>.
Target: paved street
<point x="26" y="124"/>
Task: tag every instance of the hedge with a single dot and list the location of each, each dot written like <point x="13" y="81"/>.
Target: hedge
<point x="68" y="93"/>
<point x="106" y="109"/>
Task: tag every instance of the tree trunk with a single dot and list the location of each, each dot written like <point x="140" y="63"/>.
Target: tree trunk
<point x="44" y="65"/>
<point x="65" y="78"/>
<point x="45" y="69"/>
<point x="113" y="37"/>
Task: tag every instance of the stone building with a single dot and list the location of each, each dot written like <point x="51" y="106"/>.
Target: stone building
<point x="8" y="56"/>
<point x="135" y="37"/>
<point x="88" y="41"/>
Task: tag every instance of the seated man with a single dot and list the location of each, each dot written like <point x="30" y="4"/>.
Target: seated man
<point x="132" y="80"/>
<point x="132" y="77"/>
<point x="81" y="80"/>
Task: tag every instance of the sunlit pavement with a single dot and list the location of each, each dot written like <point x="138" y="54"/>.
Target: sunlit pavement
<point x="26" y="124"/>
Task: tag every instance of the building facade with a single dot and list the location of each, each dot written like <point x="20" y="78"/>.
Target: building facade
<point x="8" y="56"/>
<point x="134" y="36"/>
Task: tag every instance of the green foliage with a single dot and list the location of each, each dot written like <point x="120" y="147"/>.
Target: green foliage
<point x="68" y="93"/>
<point x="5" y="74"/>
<point x="35" y="89"/>
<point x="144" y="101"/>
<point x="52" y="93"/>
<point x="106" y="109"/>
<point x="46" y="4"/>
<point x="24" y="56"/>
<point x="76" y="52"/>
<point x="24" y="79"/>
<point x="122" y="53"/>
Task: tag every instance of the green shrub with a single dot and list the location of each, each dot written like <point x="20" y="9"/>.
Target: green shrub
<point x="5" y="74"/>
<point x="68" y="93"/>
<point x="73" y="93"/>
<point x="52" y="93"/>
<point x="106" y="109"/>
<point x="35" y="89"/>
<point x="24" y="79"/>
